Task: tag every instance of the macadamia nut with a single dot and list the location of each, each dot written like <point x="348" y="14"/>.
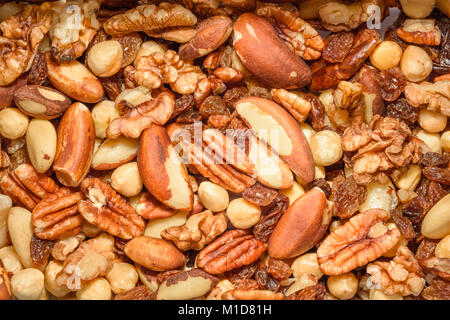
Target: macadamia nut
<point x="105" y="58"/>
<point x="213" y="196"/>
<point x="445" y="141"/>
<point x="432" y="121"/>
<point x="103" y="113"/>
<point x="326" y="147"/>
<point x="126" y="179"/>
<point x="343" y="286"/>
<point x="97" y="289"/>
<point x="416" y="64"/>
<point x="432" y="140"/>
<point x="13" y="123"/>
<point x="243" y="214"/>
<point x="28" y="284"/>
<point x="306" y="263"/>
<point x="122" y="277"/>
<point x="442" y="249"/>
<point x="386" y="55"/>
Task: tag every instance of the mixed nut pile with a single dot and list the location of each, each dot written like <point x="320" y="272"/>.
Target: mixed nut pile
<point x="233" y="149"/>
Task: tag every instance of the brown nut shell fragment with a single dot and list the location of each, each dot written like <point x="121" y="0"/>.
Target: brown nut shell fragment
<point x="232" y="250"/>
<point x="210" y="34"/>
<point x="254" y="36"/>
<point x="420" y="31"/>
<point x="276" y="126"/>
<point x="162" y="171"/>
<point x="75" y="145"/>
<point x="369" y="79"/>
<point x="154" y="254"/>
<point x="41" y="102"/>
<point x="107" y="210"/>
<point x="351" y="245"/>
<point x="301" y="226"/>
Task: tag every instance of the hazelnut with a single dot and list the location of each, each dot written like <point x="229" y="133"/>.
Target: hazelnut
<point x="343" y="286"/>
<point x="326" y="147"/>
<point x="97" y="289"/>
<point x="386" y="55"/>
<point x="432" y="140"/>
<point x="28" y="284"/>
<point x="442" y="249"/>
<point x="122" y="277"/>
<point x="306" y="264"/>
<point x="126" y="179"/>
<point x="432" y="121"/>
<point x="416" y="64"/>
<point x="13" y="123"/>
<point x="103" y="113"/>
<point x="213" y="196"/>
<point x="445" y="141"/>
<point x="243" y="214"/>
<point x="105" y="58"/>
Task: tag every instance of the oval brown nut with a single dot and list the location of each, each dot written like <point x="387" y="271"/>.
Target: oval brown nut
<point x="186" y="285"/>
<point x="273" y="124"/>
<point x="265" y="55"/>
<point x="353" y="245"/>
<point x="74" y="79"/>
<point x="162" y="171"/>
<point x="301" y="227"/>
<point x="210" y="34"/>
<point x="369" y="79"/>
<point x="75" y="146"/>
<point x="154" y="254"/>
<point x="41" y="102"/>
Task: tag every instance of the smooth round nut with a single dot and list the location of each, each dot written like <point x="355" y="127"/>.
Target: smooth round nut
<point x="103" y="113"/>
<point x="52" y="269"/>
<point x="445" y="141"/>
<point x="105" y="58"/>
<point x="343" y="286"/>
<point x="386" y="55"/>
<point x="326" y="147"/>
<point x="432" y="121"/>
<point x="28" y="284"/>
<point x="306" y="264"/>
<point x="41" y="144"/>
<point x="13" y="123"/>
<point x="243" y="214"/>
<point x="97" y="289"/>
<point x="432" y="140"/>
<point x="442" y="249"/>
<point x="126" y="179"/>
<point x="122" y="277"/>
<point x="415" y="64"/>
<point x="213" y="196"/>
<point x="436" y="224"/>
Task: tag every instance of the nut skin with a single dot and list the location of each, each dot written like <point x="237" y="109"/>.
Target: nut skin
<point x="162" y="172"/>
<point x="53" y="106"/>
<point x="281" y="68"/>
<point x="210" y="34"/>
<point x="301" y="226"/>
<point x="154" y="254"/>
<point x="74" y="79"/>
<point x="76" y="137"/>
<point x="7" y="92"/>
<point x="368" y="78"/>
<point x="300" y="158"/>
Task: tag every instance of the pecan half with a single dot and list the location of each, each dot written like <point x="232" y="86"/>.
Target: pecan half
<point x="297" y="105"/>
<point x="56" y="216"/>
<point x="232" y="250"/>
<point x="107" y="210"/>
<point x="150" y="208"/>
<point x="356" y="243"/>
<point x="26" y="187"/>
<point x="199" y="230"/>
<point x="420" y="31"/>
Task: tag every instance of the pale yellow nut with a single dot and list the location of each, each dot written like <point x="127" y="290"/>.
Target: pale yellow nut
<point x="305" y="280"/>
<point x="105" y="58"/>
<point x="5" y="205"/>
<point x="306" y="264"/>
<point x="97" y="289"/>
<point x="52" y="269"/>
<point x="432" y="121"/>
<point x="326" y="147"/>
<point x="13" y="123"/>
<point x="386" y="55"/>
<point x="432" y="140"/>
<point x="28" y="284"/>
<point x="213" y="196"/>
<point x="445" y="141"/>
<point x="126" y="180"/>
<point x="294" y="192"/>
<point x="415" y="64"/>
<point x="417" y="9"/>
<point x="442" y="249"/>
<point x="343" y="286"/>
<point x="156" y="226"/>
<point x="10" y="260"/>
<point x="436" y="224"/>
<point x="410" y="179"/>
<point x="243" y="214"/>
<point x="379" y="196"/>
<point x="103" y="113"/>
<point x="122" y="277"/>
<point x="41" y="144"/>
<point x="379" y="295"/>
